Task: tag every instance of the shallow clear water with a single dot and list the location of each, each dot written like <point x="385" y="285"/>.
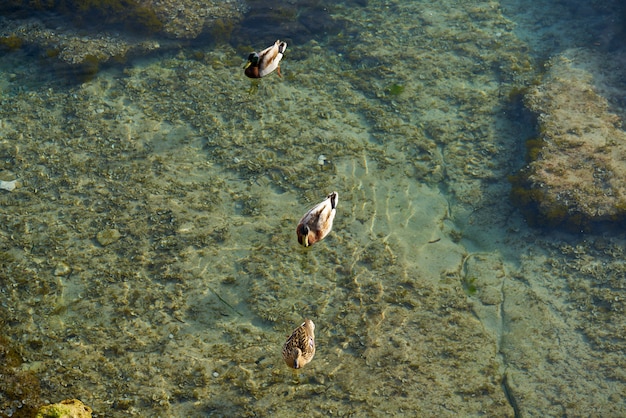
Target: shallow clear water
<point x="149" y="259"/>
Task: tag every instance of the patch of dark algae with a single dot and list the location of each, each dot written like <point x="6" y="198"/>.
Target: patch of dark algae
<point x="19" y="390"/>
<point x="132" y="14"/>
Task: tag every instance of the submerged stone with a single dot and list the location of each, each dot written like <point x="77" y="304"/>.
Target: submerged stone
<point x="108" y="237"/>
<point x="62" y="269"/>
<point x="576" y="174"/>
<point x="99" y="32"/>
<point x="8" y="185"/>
<point x="69" y="408"/>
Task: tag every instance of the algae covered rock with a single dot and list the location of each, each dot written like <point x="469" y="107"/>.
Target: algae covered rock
<point x="69" y="408"/>
<point x="176" y="19"/>
<point x="96" y="32"/>
<point x="576" y="174"/>
<point x="20" y="391"/>
<point x="108" y="236"/>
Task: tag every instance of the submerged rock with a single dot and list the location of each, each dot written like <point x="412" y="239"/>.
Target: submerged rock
<point x="83" y="33"/>
<point x="576" y="174"/>
<point x="182" y="19"/>
<point x="69" y="408"/>
<point x="8" y="185"/>
<point x="108" y="236"/>
<point x="20" y="389"/>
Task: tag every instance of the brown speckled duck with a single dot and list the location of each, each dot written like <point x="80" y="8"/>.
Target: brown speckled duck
<point x="263" y="63"/>
<point x="318" y="221"/>
<point x="299" y="349"/>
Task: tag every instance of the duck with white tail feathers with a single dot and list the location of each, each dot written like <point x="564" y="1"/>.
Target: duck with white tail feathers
<point x="318" y="221"/>
<point x="265" y="62"/>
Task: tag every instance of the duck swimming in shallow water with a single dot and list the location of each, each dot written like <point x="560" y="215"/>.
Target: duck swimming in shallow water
<point x="263" y="63"/>
<point x="318" y="221"/>
<point x="299" y="349"/>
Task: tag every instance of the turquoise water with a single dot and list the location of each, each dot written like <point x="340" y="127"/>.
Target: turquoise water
<point x="149" y="259"/>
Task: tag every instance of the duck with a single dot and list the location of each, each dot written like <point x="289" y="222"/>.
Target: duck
<point x="299" y="348"/>
<point x="318" y="221"/>
<point x="265" y="62"/>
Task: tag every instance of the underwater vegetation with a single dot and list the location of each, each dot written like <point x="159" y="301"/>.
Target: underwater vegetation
<point x="97" y="33"/>
<point x="19" y="390"/>
<point x="292" y="21"/>
<point x="532" y="203"/>
<point x="87" y="69"/>
<point x="11" y="43"/>
<point x="539" y="209"/>
<point x="469" y="286"/>
<point x="572" y="178"/>
<point x="395" y="89"/>
<point x="132" y="14"/>
<point x="67" y="408"/>
<point x="102" y="31"/>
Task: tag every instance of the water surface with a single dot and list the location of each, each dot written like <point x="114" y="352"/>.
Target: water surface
<point x="149" y="260"/>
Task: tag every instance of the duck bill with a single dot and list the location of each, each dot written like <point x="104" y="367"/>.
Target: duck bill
<point x="334" y="197"/>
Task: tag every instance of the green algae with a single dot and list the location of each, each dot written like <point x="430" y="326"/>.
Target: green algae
<point x="395" y="89"/>
<point x="11" y="42"/>
<point x="469" y="286"/>
<point x="69" y="408"/>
